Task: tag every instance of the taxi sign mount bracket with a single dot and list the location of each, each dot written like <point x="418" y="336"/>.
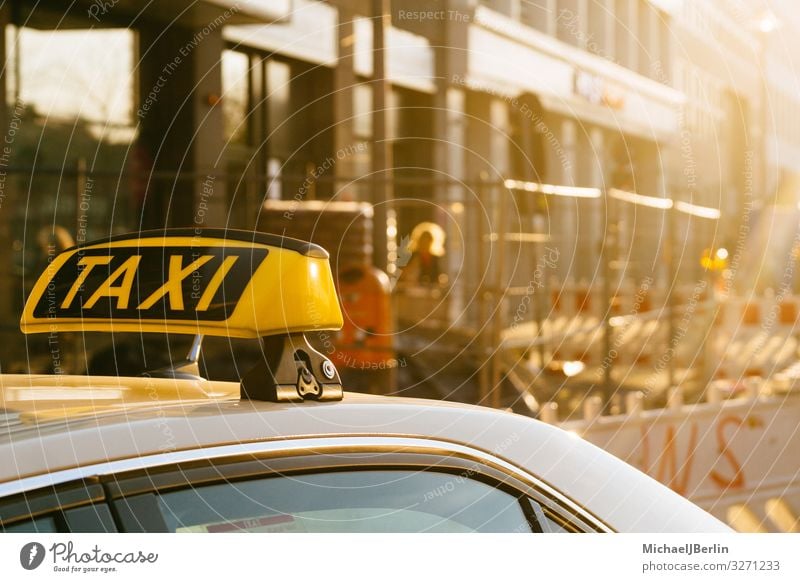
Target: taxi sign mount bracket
<point x="188" y="368"/>
<point x="291" y="371"/>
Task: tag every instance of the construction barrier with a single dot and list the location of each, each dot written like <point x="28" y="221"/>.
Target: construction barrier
<point x="736" y="457"/>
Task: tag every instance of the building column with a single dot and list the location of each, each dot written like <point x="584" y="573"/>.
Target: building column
<point x="632" y="36"/>
<point x="209" y="190"/>
<point x="551" y="8"/>
<point x="456" y="137"/>
<point x="382" y="188"/>
<point x="181" y="134"/>
<point x="564" y="170"/>
<point x="7" y="291"/>
<point x="499" y="151"/>
<point x="450" y="134"/>
<point x="597" y="179"/>
<point x="344" y="79"/>
<point x="598" y="166"/>
<point x="609" y="40"/>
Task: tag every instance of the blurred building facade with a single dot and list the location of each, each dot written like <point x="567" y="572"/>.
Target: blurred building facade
<point x="735" y="63"/>
<point x="654" y="96"/>
<point x="197" y="122"/>
<point x="110" y="124"/>
<point x="574" y="93"/>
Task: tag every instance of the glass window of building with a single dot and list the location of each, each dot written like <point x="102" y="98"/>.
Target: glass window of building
<point x="70" y="99"/>
<point x="278" y="82"/>
<point x="279" y="109"/>
<point x="235" y="95"/>
<point x="362" y="111"/>
<point x="62" y="75"/>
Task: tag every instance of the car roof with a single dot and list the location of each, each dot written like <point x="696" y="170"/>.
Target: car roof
<point x="145" y="416"/>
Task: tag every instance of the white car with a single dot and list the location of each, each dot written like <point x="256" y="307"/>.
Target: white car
<point x="286" y="449"/>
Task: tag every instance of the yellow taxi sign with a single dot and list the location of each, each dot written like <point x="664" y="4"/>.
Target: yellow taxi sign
<point x="193" y="281"/>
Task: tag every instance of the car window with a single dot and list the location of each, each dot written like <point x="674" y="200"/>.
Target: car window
<point x="38" y="525"/>
<point x="555" y="524"/>
<point x="87" y="518"/>
<point x="346" y="501"/>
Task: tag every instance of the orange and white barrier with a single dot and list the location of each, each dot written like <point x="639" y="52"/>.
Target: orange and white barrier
<point x="724" y="455"/>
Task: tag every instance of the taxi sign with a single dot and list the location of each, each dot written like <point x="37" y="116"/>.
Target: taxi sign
<point x="193" y="281"/>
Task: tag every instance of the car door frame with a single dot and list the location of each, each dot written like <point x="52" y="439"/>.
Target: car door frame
<point x="171" y="470"/>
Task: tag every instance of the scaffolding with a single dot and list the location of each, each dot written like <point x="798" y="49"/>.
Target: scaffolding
<point x="528" y="289"/>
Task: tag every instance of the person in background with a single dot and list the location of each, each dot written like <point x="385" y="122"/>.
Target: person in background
<point x="59" y="355"/>
<point x="51" y="240"/>
<point x="426" y="247"/>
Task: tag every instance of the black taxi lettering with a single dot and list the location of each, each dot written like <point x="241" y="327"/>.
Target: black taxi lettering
<point x="148" y="283"/>
<point x="174" y="285"/>
<point x="126" y="272"/>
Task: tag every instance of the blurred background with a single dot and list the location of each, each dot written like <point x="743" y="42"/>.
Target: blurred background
<point x="581" y="210"/>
